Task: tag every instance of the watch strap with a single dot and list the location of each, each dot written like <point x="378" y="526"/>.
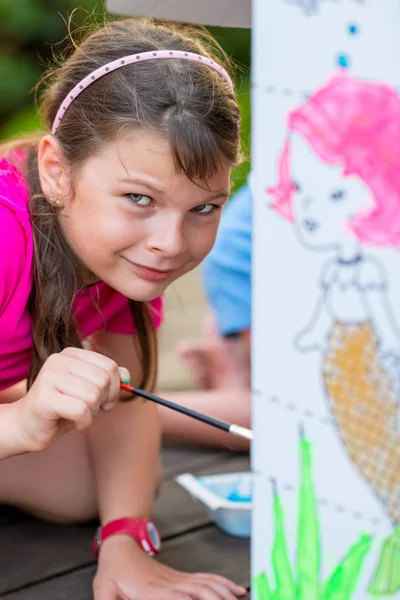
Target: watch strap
<point x="136" y="528"/>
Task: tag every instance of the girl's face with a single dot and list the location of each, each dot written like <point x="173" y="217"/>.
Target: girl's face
<point x="137" y="224"/>
<point x="325" y="201"/>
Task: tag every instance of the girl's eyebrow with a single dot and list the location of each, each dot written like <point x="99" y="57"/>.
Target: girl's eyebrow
<point x="161" y="190"/>
<point x="138" y="180"/>
<point x="224" y="195"/>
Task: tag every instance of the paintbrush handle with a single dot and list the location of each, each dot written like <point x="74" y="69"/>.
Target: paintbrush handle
<point x="241" y="432"/>
<point x="178" y="408"/>
<point x="234" y="429"/>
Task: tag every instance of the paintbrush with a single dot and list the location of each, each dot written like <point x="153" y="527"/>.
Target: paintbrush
<point x="233" y="429"/>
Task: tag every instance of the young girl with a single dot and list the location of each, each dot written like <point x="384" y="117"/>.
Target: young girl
<point x="96" y="219"/>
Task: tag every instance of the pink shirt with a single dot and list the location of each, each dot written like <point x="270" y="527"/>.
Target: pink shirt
<point x="16" y="261"/>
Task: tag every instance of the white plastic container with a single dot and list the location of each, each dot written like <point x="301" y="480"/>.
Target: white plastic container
<point x="227" y="498"/>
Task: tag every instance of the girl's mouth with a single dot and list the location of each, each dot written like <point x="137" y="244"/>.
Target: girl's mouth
<point x="149" y="273"/>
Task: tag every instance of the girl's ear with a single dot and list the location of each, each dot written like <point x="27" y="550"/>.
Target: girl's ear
<point x="52" y="168"/>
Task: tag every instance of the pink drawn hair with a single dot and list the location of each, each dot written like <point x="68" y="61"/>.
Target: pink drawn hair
<point x="357" y="124"/>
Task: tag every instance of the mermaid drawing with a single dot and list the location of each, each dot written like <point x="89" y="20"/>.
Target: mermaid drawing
<point x="339" y="185"/>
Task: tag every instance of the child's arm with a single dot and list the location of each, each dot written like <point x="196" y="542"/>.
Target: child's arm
<point x="314" y="335"/>
<point x="124" y="444"/>
<point x="124" y="449"/>
<point x="57" y="402"/>
<point x="11" y="442"/>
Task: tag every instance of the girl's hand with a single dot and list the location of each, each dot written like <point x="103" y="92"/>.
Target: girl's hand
<point x="70" y="388"/>
<point x="309" y="340"/>
<point x="125" y="572"/>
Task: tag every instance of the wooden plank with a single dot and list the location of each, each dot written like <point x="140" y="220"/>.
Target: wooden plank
<point x="179" y="459"/>
<point x="175" y="512"/>
<point x="37" y="550"/>
<point x="212" y="551"/>
<point x="208" y="550"/>
<point x="8" y="514"/>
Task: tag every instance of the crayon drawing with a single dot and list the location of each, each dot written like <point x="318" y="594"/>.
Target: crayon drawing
<point x="339" y="185"/>
<point x="303" y="580"/>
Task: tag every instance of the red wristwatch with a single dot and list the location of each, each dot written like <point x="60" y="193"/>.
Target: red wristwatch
<point x="143" y="530"/>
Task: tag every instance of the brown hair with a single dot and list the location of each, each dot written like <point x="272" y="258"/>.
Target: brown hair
<point x="188" y="102"/>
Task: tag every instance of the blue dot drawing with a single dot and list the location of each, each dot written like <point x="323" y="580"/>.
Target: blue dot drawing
<point x="343" y="60"/>
<point x="353" y="29"/>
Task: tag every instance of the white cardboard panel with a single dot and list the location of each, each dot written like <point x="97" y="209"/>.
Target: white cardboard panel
<point x="299" y="46"/>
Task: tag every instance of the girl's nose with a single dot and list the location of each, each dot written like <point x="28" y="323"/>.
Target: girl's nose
<point x="307" y="202"/>
<point x="168" y="238"/>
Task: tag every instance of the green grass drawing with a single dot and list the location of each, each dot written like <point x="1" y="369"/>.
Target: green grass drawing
<point x="303" y="581"/>
<point x="386" y="581"/>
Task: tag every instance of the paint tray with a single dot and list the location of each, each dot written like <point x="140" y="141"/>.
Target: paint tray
<point x="227" y="498"/>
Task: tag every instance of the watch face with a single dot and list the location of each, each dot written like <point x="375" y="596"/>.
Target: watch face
<point x="153" y="535"/>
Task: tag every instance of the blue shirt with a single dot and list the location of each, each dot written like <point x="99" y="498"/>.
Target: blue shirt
<point x="227" y="269"/>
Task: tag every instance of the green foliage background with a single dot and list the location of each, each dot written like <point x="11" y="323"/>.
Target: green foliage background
<point x="29" y="29"/>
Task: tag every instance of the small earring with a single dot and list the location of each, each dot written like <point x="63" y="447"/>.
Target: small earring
<point x="54" y="201"/>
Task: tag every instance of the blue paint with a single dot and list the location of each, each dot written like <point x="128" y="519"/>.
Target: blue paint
<point x="235" y="497"/>
<point x="234" y="488"/>
<point x="343" y="60"/>
<point x="353" y="29"/>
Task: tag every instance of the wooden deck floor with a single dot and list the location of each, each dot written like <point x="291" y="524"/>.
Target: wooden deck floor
<point x="40" y="561"/>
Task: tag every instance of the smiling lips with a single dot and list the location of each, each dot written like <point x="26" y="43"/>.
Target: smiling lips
<point x="149" y="273"/>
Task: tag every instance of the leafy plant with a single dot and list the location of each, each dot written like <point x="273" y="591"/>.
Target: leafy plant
<point x="303" y="581"/>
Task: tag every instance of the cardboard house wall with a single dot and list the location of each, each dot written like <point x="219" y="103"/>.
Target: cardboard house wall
<point x="326" y="121"/>
<point x="326" y="289"/>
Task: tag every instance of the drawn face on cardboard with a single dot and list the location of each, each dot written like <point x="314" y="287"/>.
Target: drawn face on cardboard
<point x="325" y="200"/>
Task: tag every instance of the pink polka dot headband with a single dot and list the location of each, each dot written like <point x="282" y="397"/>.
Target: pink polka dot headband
<point x="128" y="60"/>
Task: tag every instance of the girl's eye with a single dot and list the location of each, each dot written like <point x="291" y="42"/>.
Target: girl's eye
<point x="206" y="209"/>
<point x="297" y="186"/>
<point x="337" y="195"/>
<point x="139" y="199"/>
